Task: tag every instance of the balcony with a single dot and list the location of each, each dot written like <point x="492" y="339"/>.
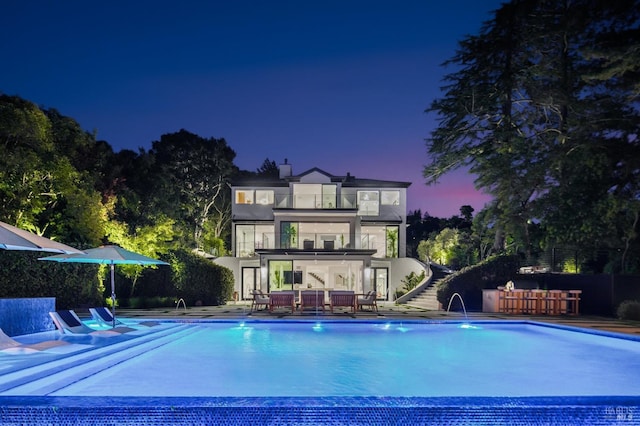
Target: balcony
<point x="311" y="241"/>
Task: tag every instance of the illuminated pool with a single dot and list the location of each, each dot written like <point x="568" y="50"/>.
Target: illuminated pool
<point x="301" y="372"/>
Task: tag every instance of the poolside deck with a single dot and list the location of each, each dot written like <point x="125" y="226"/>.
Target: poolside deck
<point x="391" y="311"/>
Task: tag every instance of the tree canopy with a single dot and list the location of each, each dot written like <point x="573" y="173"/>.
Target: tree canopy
<point x="542" y="106"/>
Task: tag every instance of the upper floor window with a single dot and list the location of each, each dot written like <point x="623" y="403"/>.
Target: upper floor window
<point x="314" y="196"/>
<point x="244" y="197"/>
<point x="264" y="196"/>
<point x="368" y="203"/>
<point x="259" y="196"/>
<point x="390" y="198"/>
<point x="329" y="196"/>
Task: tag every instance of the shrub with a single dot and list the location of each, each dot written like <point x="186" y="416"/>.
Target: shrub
<point x="193" y="278"/>
<point x="629" y="310"/>
<point x="200" y="281"/>
<point x="412" y="280"/>
<point x="469" y="282"/>
<point x="146" y="302"/>
<point x="72" y="284"/>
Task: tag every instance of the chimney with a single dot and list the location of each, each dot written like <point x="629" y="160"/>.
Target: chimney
<point x="285" y="169"/>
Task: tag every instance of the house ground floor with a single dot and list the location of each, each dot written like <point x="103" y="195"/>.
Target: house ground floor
<point x="355" y="270"/>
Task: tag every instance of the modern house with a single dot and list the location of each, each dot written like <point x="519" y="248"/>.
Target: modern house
<point x="315" y="230"/>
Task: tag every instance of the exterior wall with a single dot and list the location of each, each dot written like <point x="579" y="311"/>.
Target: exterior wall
<point x="316" y="219"/>
<point x="399" y="269"/>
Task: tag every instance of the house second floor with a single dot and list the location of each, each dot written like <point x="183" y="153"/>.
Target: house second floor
<point x="318" y="211"/>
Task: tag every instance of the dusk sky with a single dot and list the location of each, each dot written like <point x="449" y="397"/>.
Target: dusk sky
<point x="340" y="85"/>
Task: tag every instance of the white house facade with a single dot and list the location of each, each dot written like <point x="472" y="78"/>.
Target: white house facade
<point x="315" y="230"/>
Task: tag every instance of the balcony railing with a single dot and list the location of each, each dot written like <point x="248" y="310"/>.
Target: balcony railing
<point x="315" y="201"/>
<point x="311" y="241"/>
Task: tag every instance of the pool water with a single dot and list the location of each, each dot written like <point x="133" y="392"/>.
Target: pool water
<point x="371" y="359"/>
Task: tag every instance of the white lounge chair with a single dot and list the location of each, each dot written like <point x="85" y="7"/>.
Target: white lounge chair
<point x="9" y="345"/>
<point x="68" y="322"/>
<point x="104" y="317"/>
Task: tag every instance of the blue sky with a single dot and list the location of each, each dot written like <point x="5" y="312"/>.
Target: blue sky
<point x="339" y="85"/>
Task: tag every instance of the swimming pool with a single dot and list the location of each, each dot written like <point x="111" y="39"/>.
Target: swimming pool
<point x="424" y="370"/>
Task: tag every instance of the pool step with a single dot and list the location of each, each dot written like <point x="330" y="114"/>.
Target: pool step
<point x="48" y="377"/>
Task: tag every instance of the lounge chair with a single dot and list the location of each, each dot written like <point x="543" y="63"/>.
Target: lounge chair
<point x="68" y="322"/>
<point x="312" y="299"/>
<point x="9" y="345"/>
<point x="259" y="299"/>
<point x="282" y="299"/>
<point x="342" y="299"/>
<point x="368" y="299"/>
<point x="104" y="317"/>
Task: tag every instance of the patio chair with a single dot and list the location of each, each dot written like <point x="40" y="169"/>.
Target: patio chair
<point x="259" y="299"/>
<point x="368" y="299"/>
<point x="68" y="322"/>
<point x="342" y="299"/>
<point x="312" y="299"/>
<point x="282" y="299"/>
<point x="104" y="317"/>
<point x="9" y="345"/>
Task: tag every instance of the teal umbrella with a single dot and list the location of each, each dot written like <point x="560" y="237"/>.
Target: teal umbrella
<point x="110" y="255"/>
<point x="12" y="238"/>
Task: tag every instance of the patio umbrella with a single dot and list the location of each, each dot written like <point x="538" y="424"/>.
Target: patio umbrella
<point x="111" y="255"/>
<point x="12" y="238"/>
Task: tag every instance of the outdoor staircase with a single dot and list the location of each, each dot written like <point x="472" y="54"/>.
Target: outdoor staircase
<point x="427" y="298"/>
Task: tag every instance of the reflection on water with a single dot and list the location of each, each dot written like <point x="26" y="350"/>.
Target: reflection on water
<point x="375" y="359"/>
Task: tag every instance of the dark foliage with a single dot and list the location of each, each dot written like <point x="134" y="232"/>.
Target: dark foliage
<point x="470" y="281"/>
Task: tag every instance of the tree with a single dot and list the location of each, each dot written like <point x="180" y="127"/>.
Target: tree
<point x="269" y="168"/>
<point x="521" y="112"/>
<point x="42" y="188"/>
<point x="151" y="241"/>
<point x="440" y="248"/>
<point x="196" y="171"/>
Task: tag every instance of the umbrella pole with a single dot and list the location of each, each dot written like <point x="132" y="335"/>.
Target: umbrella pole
<point x="113" y="296"/>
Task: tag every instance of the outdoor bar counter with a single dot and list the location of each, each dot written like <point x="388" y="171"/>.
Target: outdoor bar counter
<point x="531" y="301"/>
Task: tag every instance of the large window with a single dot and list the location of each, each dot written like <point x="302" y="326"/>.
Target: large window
<point x="288" y="235"/>
<point x="245" y="240"/>
<point x="382" y="239"/>
<point x="381" y="282"/>
<point x="329" y="195"/>
<point x="252" y="237"/>
<point x="259" y="196"/>
<point x="264" y="196"/>
<point x="244" y="197"/>
<point x="373" y="238"/>
<point x="392" y="236"/>
<point x="306" y="196"/>
<point x="314" y="196"/>
<point x="390" y="198"/>
<point x="281" y="276"/>
<point x="368" y="203"/>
